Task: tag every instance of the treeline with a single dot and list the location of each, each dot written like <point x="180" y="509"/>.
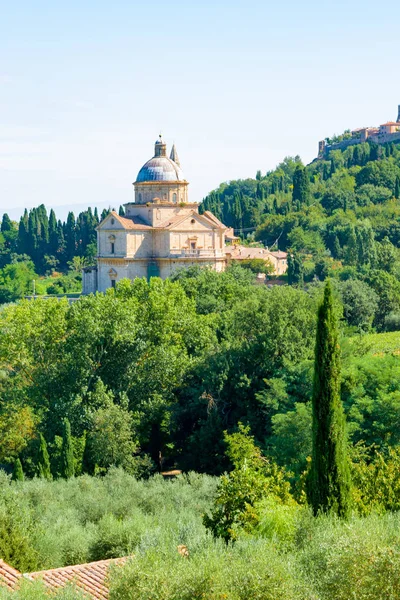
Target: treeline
<point x="40" y="247"/>
<point x="335" y="183"/>
<point x="49" y="243"/>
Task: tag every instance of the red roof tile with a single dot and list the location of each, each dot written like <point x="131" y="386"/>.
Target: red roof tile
<point x="90" y="577"/>
<point x="9" y="577"/>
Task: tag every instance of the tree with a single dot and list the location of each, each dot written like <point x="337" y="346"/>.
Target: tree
<point x="110" y="441"/>
<point x="6" y="223"/>
<point x="18" y="474"/>
<point x="295" y="269"/>
<point x="360" y="303"/>
<point x="301" y="186"/>
<point x="386" y="255"/>
<point x="43" y="459"/>
<point x="16" y="280"/>
<point x="67" y="453"/>
<point x="336" y="249"/>
<point x="397" y="188"/>
<point x="329" y="478"/>
<point x="237" y="504"/>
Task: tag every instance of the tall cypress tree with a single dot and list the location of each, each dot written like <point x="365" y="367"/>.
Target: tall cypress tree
<point x="23" y="243"/>
<point x="301" y="186"/>
<point x="6" y="223"/>
<point x="397" y="188"/>
<point x="67" y="453"/>
<point x="43" y="459"/>
<point x="336" y="249"/>
<point x="53" y="234"/>
<point x="70" y="237"/>
<point x="295" y="269"/>
<point x="18" y="474"/>
<point x="329" y="478"/>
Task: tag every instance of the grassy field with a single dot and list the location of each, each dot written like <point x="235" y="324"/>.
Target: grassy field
<point x="377" y="343"/>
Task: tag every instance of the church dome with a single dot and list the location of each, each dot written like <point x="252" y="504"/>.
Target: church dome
<point x="160" y="168"/>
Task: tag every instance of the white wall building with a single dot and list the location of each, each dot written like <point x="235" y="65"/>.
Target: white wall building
<point x="160" y="232"/>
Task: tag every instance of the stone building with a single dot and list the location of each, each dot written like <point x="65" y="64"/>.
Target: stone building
<point x="384" y="134"/>
<point x="162" y="231"/>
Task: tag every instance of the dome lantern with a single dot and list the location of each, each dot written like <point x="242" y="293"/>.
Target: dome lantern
<point x="160" y="147"/>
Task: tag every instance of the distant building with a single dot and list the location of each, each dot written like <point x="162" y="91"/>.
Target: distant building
<point x="278" y="259"/>
<point x="386" y="133"/>
<point x="161" y="231"/>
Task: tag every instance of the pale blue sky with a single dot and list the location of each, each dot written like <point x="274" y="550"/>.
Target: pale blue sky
<point x="85" y="88"/>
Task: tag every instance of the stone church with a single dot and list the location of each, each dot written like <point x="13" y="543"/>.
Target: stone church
<point x="162" y="231"/>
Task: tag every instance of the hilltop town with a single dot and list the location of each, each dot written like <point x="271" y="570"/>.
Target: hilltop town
<point x="384" y="134"/>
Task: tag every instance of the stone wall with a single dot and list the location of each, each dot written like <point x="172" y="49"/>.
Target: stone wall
<point x="89" y="280"/>
<point x="380" y="138"/>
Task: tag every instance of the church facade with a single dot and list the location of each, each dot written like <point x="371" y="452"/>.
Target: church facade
<point x="160" y="232"/>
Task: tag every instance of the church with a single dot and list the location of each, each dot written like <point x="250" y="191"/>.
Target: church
<point x="161" y="231"/>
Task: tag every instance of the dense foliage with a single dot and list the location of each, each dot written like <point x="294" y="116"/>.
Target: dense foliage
<point x="151" y="375"/>
<point x="337" y="217"/>
<point x="39" y="246"/>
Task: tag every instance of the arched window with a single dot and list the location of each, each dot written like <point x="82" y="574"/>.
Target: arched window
<point x="140" y="197"/>
<point x="174" y="198"/>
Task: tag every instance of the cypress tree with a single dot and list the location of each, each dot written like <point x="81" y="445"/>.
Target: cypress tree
<point x="336" y="249"/>
<point x="397" y="188"/>
<point x="67" y="453"/>
<point x="43" y="459"/>
<point x="295" y="269"/>
<point x="53" y="234"/>
<point x="329" y="478"/>
<point x="70" y="237"/>
<point x="301" y="186"/>
<point x="18" y="474"/>
<point x="6" y="223"/>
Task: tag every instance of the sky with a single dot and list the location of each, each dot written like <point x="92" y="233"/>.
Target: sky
<point x="87" y="86"/>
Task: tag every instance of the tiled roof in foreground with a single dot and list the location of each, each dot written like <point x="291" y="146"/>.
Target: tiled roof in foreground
<point x="9" y="577"/>
<point x="91" y="578"/>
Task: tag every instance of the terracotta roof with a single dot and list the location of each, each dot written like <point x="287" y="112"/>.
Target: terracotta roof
<point x="390" y="123"/>
<point x="132" y="222"/>
<point x="214" y="218"/>
<point x="244" y="252"/>
<point x="9" y="577"/>
<point x="173" y="221"/>
<point x="279" y="254"/>
<point x="181" y="218"/>
<point x="91" y="578"/>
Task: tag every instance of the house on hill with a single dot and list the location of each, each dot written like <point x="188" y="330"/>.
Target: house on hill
<point x="384" y="134"/>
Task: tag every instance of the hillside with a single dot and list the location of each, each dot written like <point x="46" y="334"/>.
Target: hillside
<point x="337" y="217"/>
